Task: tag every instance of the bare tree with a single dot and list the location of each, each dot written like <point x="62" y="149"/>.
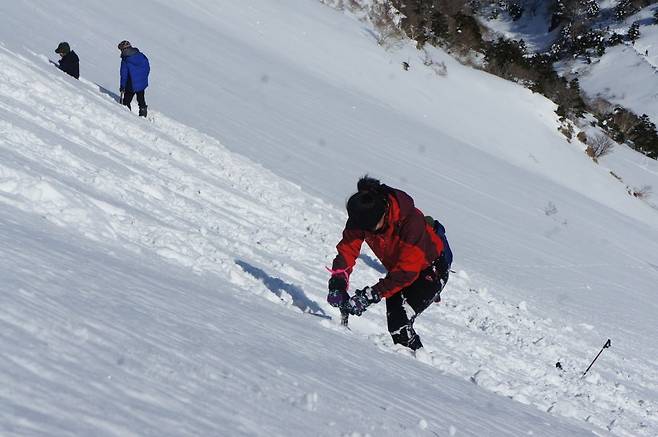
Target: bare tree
<point x="382" y="18"/>
<point x="438" y="67"/>
<point x="600" y="145"/>
<point x="626" y="121"/>
<point x="601" y="106"/>
<point x="643" y="192"/>
<point x="550" y="209"/>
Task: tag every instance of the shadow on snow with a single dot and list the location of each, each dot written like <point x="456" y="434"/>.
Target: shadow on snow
<point x="107" y="92"/>
<point x="373" y="263"/>
<point x="278" y="286"/>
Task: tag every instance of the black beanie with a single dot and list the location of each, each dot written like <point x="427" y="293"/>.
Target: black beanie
<point x="63" y="48"/>
<point x="365" y="209"/>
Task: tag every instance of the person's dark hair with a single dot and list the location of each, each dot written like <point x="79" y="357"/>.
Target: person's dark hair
<point x="367" y="206"/>
<point x="366" y="183"/>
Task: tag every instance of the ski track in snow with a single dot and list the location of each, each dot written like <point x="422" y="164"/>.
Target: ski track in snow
<point x="162" y="190"/>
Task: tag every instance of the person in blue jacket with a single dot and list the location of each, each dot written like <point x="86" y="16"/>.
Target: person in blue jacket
<point x="135" y="71"/>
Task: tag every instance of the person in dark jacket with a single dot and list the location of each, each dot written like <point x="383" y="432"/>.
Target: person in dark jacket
<point x="412" y="247"/>
<point x="69" y="62"/>
<point x="135" y="71"/>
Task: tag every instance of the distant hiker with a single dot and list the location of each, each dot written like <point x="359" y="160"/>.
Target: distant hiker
<point x="646" y="52"/>
<point x="69" y="62"/>
<point x="412" y="247"/>
<point x="135" y="71"/>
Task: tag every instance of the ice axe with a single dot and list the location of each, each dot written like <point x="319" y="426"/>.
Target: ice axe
<point x="344" y="317"/>
<point x="344" y="311"/>
<point x="605" y="346"/>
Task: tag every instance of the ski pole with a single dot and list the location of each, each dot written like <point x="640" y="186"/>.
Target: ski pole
<point x="605" y="346"/>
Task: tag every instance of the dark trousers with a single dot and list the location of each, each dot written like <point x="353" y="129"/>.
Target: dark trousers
<point x="128" y="98"/>
<point x="402" y="308"/>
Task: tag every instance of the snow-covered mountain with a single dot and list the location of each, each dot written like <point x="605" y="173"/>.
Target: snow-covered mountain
<point x="625" y="74"/>
<point x="167" y="278"/>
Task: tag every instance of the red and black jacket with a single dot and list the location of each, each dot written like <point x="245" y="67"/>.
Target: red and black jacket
<point x="406" y="245"/>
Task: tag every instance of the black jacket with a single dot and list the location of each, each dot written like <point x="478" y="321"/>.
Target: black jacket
<point x="70" y="64"/>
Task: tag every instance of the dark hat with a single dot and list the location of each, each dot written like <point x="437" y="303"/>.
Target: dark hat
<point x="63" y="48"/>
<point x="365" y="209"/>
<point x="124" y="45"/>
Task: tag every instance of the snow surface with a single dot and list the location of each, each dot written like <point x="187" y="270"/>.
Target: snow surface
<point x="156" y="282"/>
<point x="106" y="329"/>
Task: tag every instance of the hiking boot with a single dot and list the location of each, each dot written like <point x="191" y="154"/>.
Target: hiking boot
<point x="142" y="111"/>
<point x="406" y="336"/>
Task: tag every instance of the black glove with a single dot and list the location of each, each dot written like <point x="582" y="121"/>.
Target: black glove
<point x="337" y="296"/>
<point x="362" y="299"/>
<point x="338" y="283"/>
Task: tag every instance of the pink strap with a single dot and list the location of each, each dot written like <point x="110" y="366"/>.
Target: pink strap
<point x="339" y="272"/>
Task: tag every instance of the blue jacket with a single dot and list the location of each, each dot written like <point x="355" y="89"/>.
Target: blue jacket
<point x="135" y="70"/>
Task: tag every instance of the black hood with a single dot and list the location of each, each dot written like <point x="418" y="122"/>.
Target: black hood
<point x="129" y="51"/>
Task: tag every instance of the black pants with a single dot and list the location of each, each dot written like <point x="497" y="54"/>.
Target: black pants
<point x="402" y="308"/>
<point x="128" y="97"/>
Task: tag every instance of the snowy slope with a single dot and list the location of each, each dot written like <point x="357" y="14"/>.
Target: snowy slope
<point x="278" y="85"/>
<point x="627" y="74"/>
<point x="106" y="329"/>
<point x="306" y="92"/>
<point x="532" y="27"/>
